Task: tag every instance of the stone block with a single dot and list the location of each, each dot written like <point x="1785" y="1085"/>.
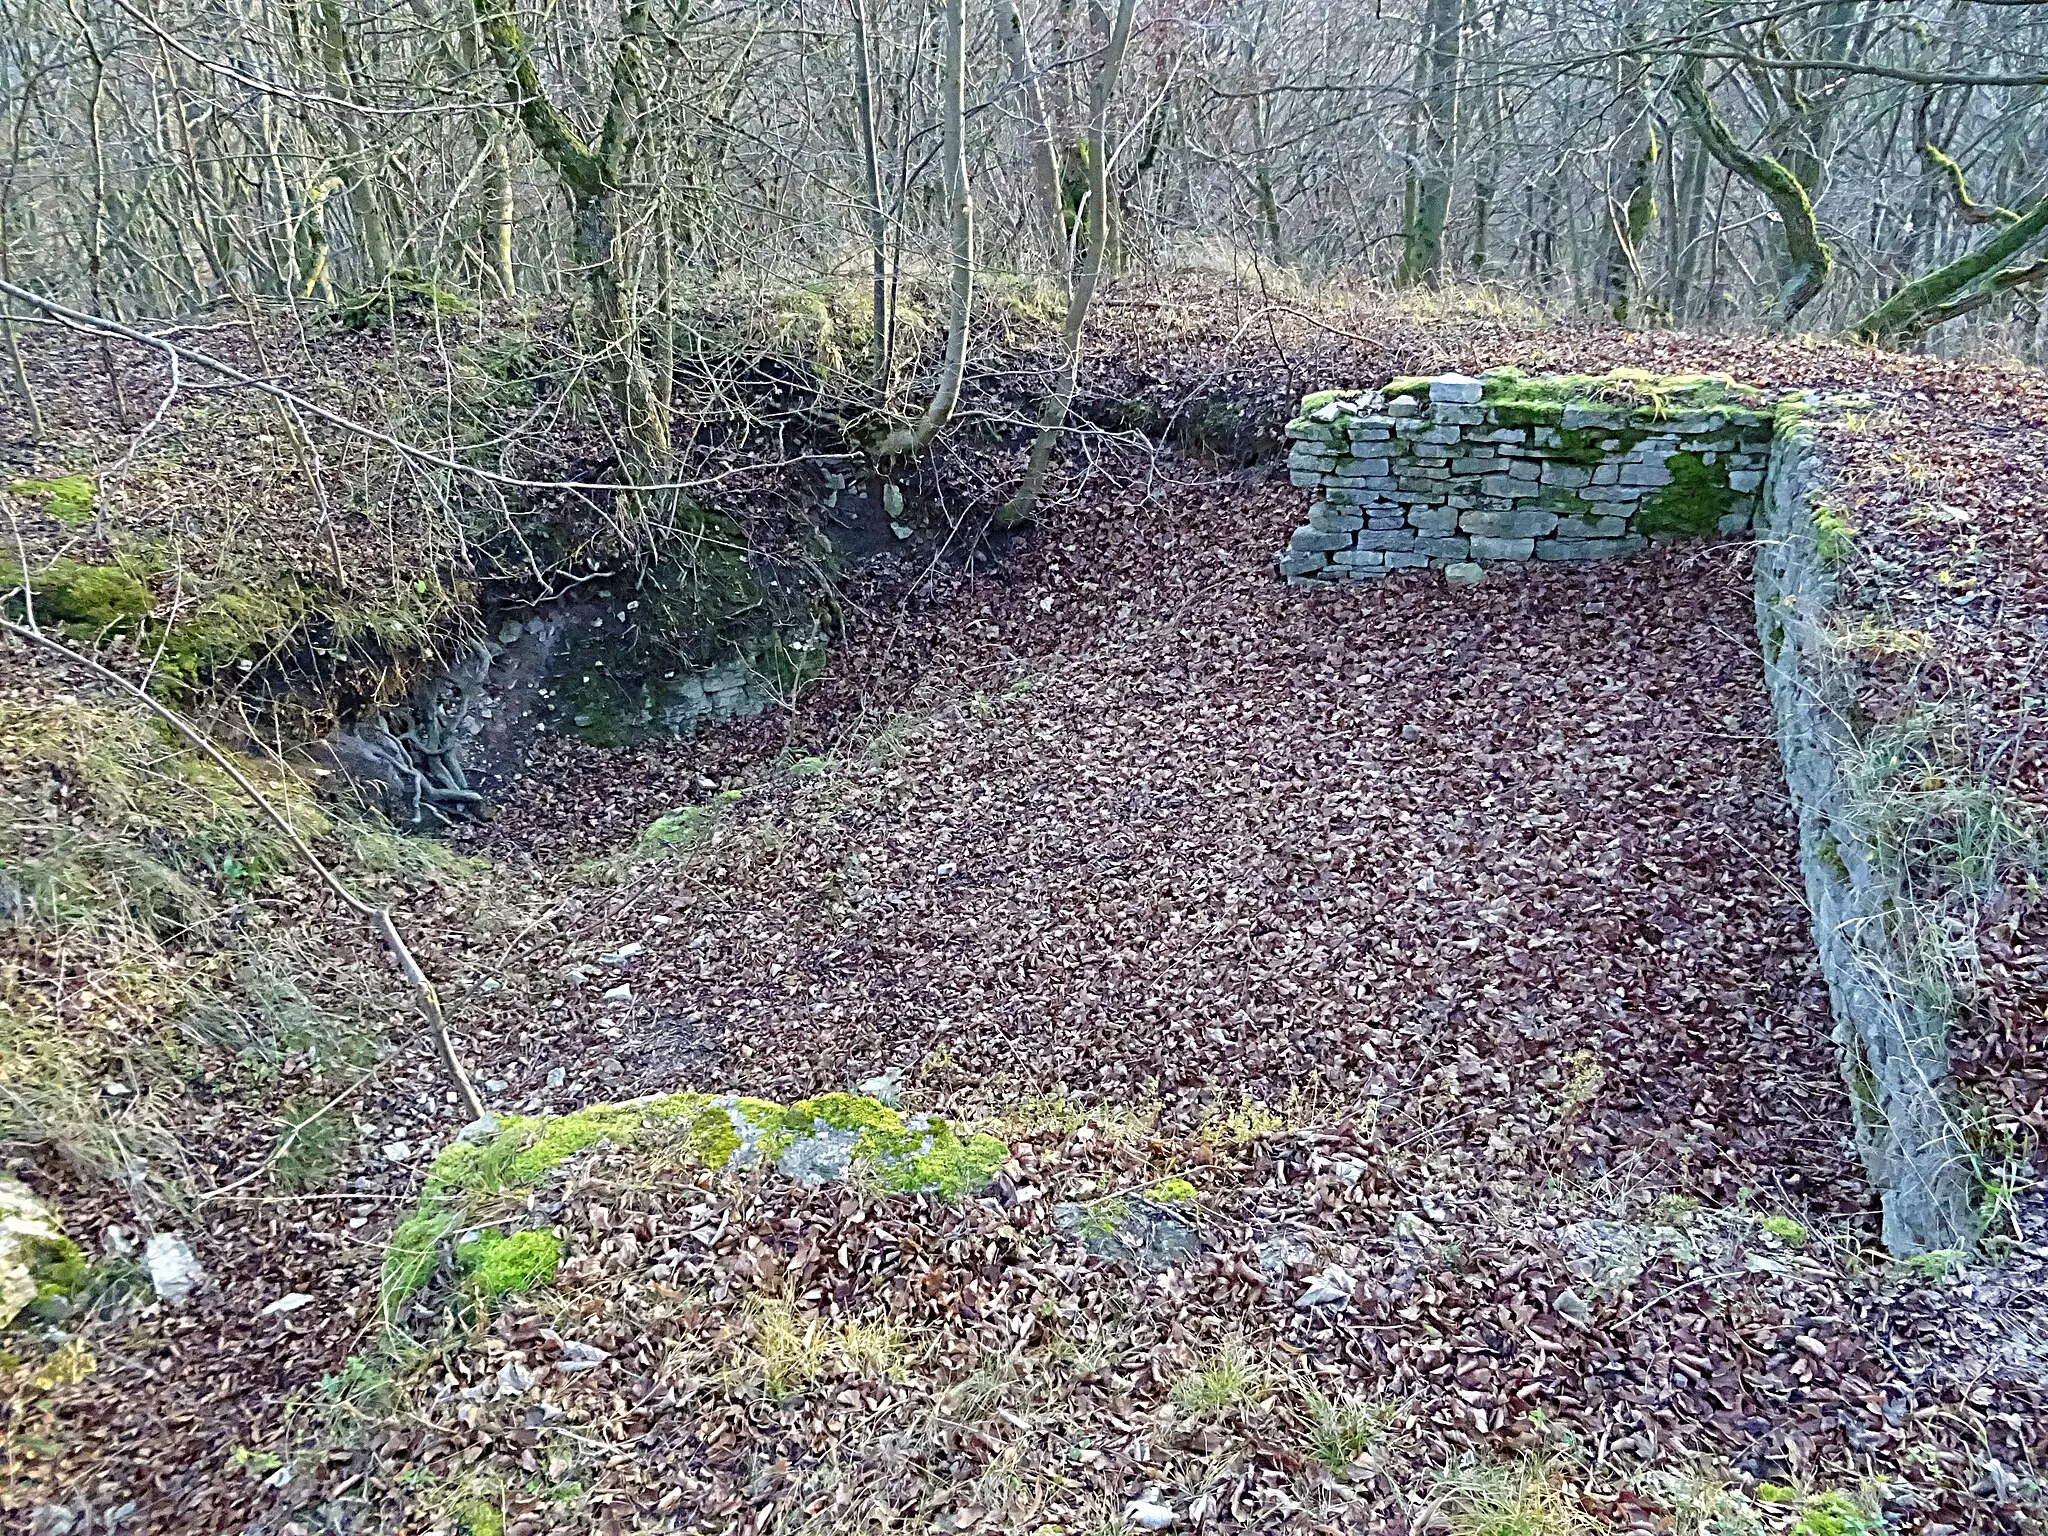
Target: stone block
<point x="1404" y="407"/>
<point x="1745" y="480"/>
<point x="1591" y="527"/>
<point x="1387" y="539"/>
<point x="1525" y="469"/>
<point x="1606" y="474"/>
<point x="1304" y="540"/>
<point x="1368" y="466"/>
<point x="1567" y="475"/>
<point x="1455" y="389"/>
<point x="1579" y="415"/>
<point x="1507" y="488"/>
<point x="1302" y="563"/>
<point x="1645" y="474"/>
<point x="1589" y="549"/>
<point x="1306" y="479"/>
<point x="1386" y="517"/>
<point x="1444" y="548"/>
<point x="1433" y="519"/>
<point x="1382" y="484"/>
<point x="1357" y="559"/>
<point x="1459" y="415"/>
<point x="1406" y="562"/>
<point x="1440" y="435"/>
<point x="1613" y="493"/>
<point x="1325" y="518"/>
<point x="1499" y="435"/>
<point x="1349" y="495"/>
<point x="1734" y="522"/>
<point x="1517" y="523"/>
<point x="1475" y="464"/>
<point x="1502" y="549"/>
<point x="1464" y="575"/>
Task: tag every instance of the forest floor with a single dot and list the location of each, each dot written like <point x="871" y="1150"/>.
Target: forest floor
<point x="1448" y="947"/>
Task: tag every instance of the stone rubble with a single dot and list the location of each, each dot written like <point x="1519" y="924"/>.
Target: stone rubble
<point x="1450" y="471"/>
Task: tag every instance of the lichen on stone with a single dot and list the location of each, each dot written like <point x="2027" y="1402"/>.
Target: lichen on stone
<point x="41" y="1269"/>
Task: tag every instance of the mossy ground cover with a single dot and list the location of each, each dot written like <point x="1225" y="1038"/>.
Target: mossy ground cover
<point x="470" y="1181"/>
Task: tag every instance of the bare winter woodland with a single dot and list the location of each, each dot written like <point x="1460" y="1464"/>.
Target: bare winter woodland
<point x="672" y="858"/>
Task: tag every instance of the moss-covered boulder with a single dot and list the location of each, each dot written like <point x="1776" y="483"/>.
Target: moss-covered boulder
<point x="41" y="1269"/>
<point x="476" y="1220"/>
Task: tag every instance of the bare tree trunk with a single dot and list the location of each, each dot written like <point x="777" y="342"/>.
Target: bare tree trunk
<point x="1034" y="134"/>
<point x="871" y="182"/>
<point x="1054" y="409"/>
<point x="915" y="436"/>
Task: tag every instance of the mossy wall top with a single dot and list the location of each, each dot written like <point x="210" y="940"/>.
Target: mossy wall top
<point x="1440" y="471"/>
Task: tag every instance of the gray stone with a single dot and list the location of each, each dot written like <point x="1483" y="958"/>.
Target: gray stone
<point x="1450" y="548"/>
<point x="1508" y="488"/>
<point x="1368" y="467"/>
<point x="1525" y="469"/>
<point x="1433" y="519"/>
<point x="1302" y="563"/>
<point x="1466" y="574"/>
<point x="1442" y="435"/>
<point x="1399" y="560"/>
<point x="1459" y="415"/>
<point x="1744" y="480"/>
<point x="1132" y="1229"/>
<point x="174" y="1271"/>
<point x="1456" y="389"/>
<point x="1382" y="483"/>
<point x="1567" y="474"/>
<point x="1518" y="523"/>
<point x="1303" y="540"/>
<point x="1589" y="549"/>
<point x="1606" y="474"/>
<point x="1306" y="479"/>
<point x="1324" y="518"/>
<point x="1613" y="493"/>
<point x="1502" y="549"/>
<point x="1645" y="474"/>
<point x="1386" y="517"/>
<point x="1475" y="464"/>
<point x="1403" y="407"/>
<point x="1591" y="527"/>
<point x="1392" y="538"/>
<point x="1734" y="522"/>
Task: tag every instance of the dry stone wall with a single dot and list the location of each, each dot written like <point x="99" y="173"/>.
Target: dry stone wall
<point x="1449" y="471"/>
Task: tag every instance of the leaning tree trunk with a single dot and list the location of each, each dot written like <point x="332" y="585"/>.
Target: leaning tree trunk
<point x="1054" y="409"/>
<point x="1967" y="283"/>
<point x="1808" y="259"/>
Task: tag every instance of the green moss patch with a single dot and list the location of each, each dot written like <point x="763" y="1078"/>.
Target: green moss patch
<point x="505" y="1264"/>
<point x="1692" y="505"/>
<point x="68" y="498"/>
<point x="843" y="1134"/>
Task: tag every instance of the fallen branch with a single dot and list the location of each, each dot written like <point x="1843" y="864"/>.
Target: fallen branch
<point x="379" y="918"/>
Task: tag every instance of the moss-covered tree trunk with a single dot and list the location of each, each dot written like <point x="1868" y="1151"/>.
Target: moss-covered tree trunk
<point x="1632" y="188"/>
<point x="591" y="178"/>
<point x="1433" y="130"/>
<point x="1808" y="260"/>
<point x="1960" y="286"/>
